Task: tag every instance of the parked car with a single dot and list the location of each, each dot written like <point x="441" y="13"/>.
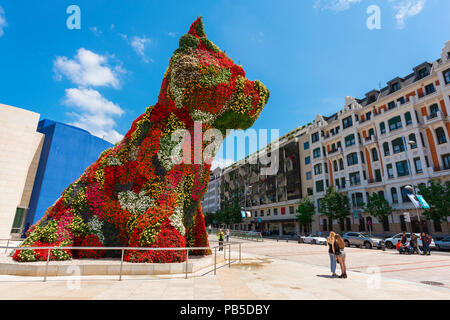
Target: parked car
<point x="443" y="244"/>
<point x="392" y="241"/>
<point x="362" y="239"/>
<point x="314" y="239"/>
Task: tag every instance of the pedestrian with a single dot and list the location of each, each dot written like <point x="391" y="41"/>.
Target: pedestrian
<point x="426" y="241"/>
<point x="227" y="235"/>
<point x="414" y="243"/>
<point x="209" y="229"/>
<point x="331" y="240"/>
<point x="404" y="238"/>
<point x="399" y="246"/>
<point x="341" y="256"/>
<point x="220" y="237"/>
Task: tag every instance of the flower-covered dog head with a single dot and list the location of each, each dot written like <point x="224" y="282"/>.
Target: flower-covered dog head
<point x="209" y="86"/>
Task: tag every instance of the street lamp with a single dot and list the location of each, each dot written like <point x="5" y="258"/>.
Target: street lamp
<point x="245" y="198"/>
<point x="412" y="189"/>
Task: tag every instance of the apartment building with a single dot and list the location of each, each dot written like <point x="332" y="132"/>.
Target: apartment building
<point x="393" y="137"/>
<point x="271" y="197"/>
<point x="211" y="200"/>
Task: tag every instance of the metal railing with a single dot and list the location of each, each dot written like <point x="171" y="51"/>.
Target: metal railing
<point x="245" y="235"/>
<point x="123" y="249"/>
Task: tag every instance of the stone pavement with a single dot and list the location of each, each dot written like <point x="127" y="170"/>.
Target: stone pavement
<point x="269" y="270"/>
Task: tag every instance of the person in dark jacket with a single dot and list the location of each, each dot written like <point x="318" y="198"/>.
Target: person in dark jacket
<point x="414" y="243"/>
<point x="426" y="241"/>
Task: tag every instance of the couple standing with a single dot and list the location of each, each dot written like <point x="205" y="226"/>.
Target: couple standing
<point x="336" y="247"/>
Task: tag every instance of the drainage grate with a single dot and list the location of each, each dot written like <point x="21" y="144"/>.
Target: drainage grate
<point x="432" y="283"/>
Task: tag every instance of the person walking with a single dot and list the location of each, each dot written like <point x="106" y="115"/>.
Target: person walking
<point x="341" y="256"/>
<point x="426" y="241"/>
<point x="331" y="241"/>
<point x="414" y="243"/>
<point x="227" y="235"/>
<point x="220" y="237"/>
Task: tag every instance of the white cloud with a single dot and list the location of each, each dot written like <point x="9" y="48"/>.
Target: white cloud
<point x="221" y="163"/>
<point x="88" y="69"/>
<point x="173" y="34"/>
<point x="334" y="5"/>
<point x="3" y="23"/>
<point x="94" y="113"/>
<point x="407" y="8"/>
<point x="96" y="31"/>
<point x="139" y="44"/>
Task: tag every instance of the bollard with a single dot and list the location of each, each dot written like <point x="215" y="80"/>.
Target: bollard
<point x="240" y="253"/>
<point x="187" y="261"/>
<point x="121" y="263"/>
<point x="215" y="260"/>
<point x="229" y="256"/>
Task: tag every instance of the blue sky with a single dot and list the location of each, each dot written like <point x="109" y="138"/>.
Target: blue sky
<point x="309" y="53"/>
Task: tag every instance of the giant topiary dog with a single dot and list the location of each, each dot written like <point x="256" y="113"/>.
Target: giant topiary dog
<point x="136" y="194"/>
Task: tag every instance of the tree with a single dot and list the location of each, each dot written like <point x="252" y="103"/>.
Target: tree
<point x="306" y="212"/>
<point x="209" y="218"/>
<point x="378" y="207"/>
<point x="335" y="205"/>
<point x="229" y="213"/>
<point x="437" y="195"/>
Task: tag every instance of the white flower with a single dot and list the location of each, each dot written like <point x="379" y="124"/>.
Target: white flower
<point x="135" y="203"/>
<point x="177" y="220"/>
<point x="95" y="227"/>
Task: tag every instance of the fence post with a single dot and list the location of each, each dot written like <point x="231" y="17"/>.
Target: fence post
<point x="46" y="265"/>
<point x="215" y="260"/>
<point x="229" y="256"/>
<point x="121" y="263"/>
<point x="240" y="252"/>
<point x="187" y="261"/>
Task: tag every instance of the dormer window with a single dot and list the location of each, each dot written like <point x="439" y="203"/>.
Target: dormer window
<point x="447" y="76"/>
<point x="371" y="99"/>
<point x="422" y="73"/>
<point x="395" y="86"/>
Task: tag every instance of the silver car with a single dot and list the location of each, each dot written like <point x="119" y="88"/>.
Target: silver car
<point x="443" y="244"/>
<point x="362" y="239"/>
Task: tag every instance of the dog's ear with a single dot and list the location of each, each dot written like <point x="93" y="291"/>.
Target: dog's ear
<point x="197" y="29"/>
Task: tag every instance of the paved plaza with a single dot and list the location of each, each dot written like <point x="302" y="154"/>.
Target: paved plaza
<point x="268" y="270"/>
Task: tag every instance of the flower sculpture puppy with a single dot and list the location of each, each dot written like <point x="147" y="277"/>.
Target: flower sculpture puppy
<point x="135" y="194"/>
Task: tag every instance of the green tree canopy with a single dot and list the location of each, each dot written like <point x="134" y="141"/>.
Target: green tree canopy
<point x="437" y="195"/>
<point x="306" y="212"/>
<point x="335" y="205"/>
<point x="378" y="207"/>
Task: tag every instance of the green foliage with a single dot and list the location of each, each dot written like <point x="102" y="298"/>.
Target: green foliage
<point x="212" y="79"/>
<point x="188" y="41"/>
<point x="209" y="44"/>
<point x="78" y="227"/>
<point x="199" y="27"/>
<point x="437" y="195"/>
<point x="229" y="213"/>
<point x="306" y="212"/>
<point x="335" y="205"/>
<point x="209" y="218"/>
<point x="378" y="207"/>
<point x="48" y="233"/>
<point x="230" y="120"/>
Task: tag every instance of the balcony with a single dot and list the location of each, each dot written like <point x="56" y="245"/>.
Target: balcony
<point x="434" y="117"/>
<point x="372" y="139"/>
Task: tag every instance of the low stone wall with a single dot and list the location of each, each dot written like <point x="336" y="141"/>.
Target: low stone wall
<point x="86" y="267"/>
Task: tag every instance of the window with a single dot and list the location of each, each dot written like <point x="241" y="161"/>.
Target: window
<point x="374" y="155"/>
<point x="315" y="137"/>
<point x="446" y="160"/>
<point x="390" y="171"/>
<point x="325" y="224"/>
<point x="368" y="115"/>
<point x="335" y="165"/>
<point x="268" y="212"/>
<point x="316" y="153"/>
<point x="355" y="178"/>
<point x="402" y="222"/>
<point x="307" y="160"/>
<point x="362" y="156"/>
<point x="394" y="195"/>
<point x="326" y="167"/>
<point x="434" y="110"/>
<point x="341" y="164"/>
<point x="352" y="159"/>
<point x="378" y="175"/>
<point x="408" y="118"/>
<point x="401" y="100"/>
<point x="275" y="211"/>
<point x="337" y="183"/>
<point x="391" y="105"/>
<point x="357" y="199"/>
<point x="310" y="191"/>
<point x="19" y="217"/>
<point x="402" y="168"/>
<point x="437" y="226"/>
<point x="429" y="89"/>
<point x="308" y="175"/>
<point x="343" y="182"/>
<point x="382" y="128"/>
<point x="350" y="140"/>
<point x="422" y="73"/>
<point x="371" y="132"/>
<point x="319" y="186"/>
<point x="412" y="138"/>
<point x="398" y="145"/>
<point x="418" y="165"/>
<point x="386" y="149"/>
<point x="348" y="224"/>
<point x="318" y="169"/>
<point x="395" y="87"/>
<point x="291" y="210"/>
<point x="306" y="145"/>
<point x="440" y="134"/>
<point x="347" y="122"/>
<point x="385" y="224"/>
<point x="446" y="74"/>
<point x="262" y="213"/>
<point x="395" y="123"/>
<point x="404" y="194"/>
